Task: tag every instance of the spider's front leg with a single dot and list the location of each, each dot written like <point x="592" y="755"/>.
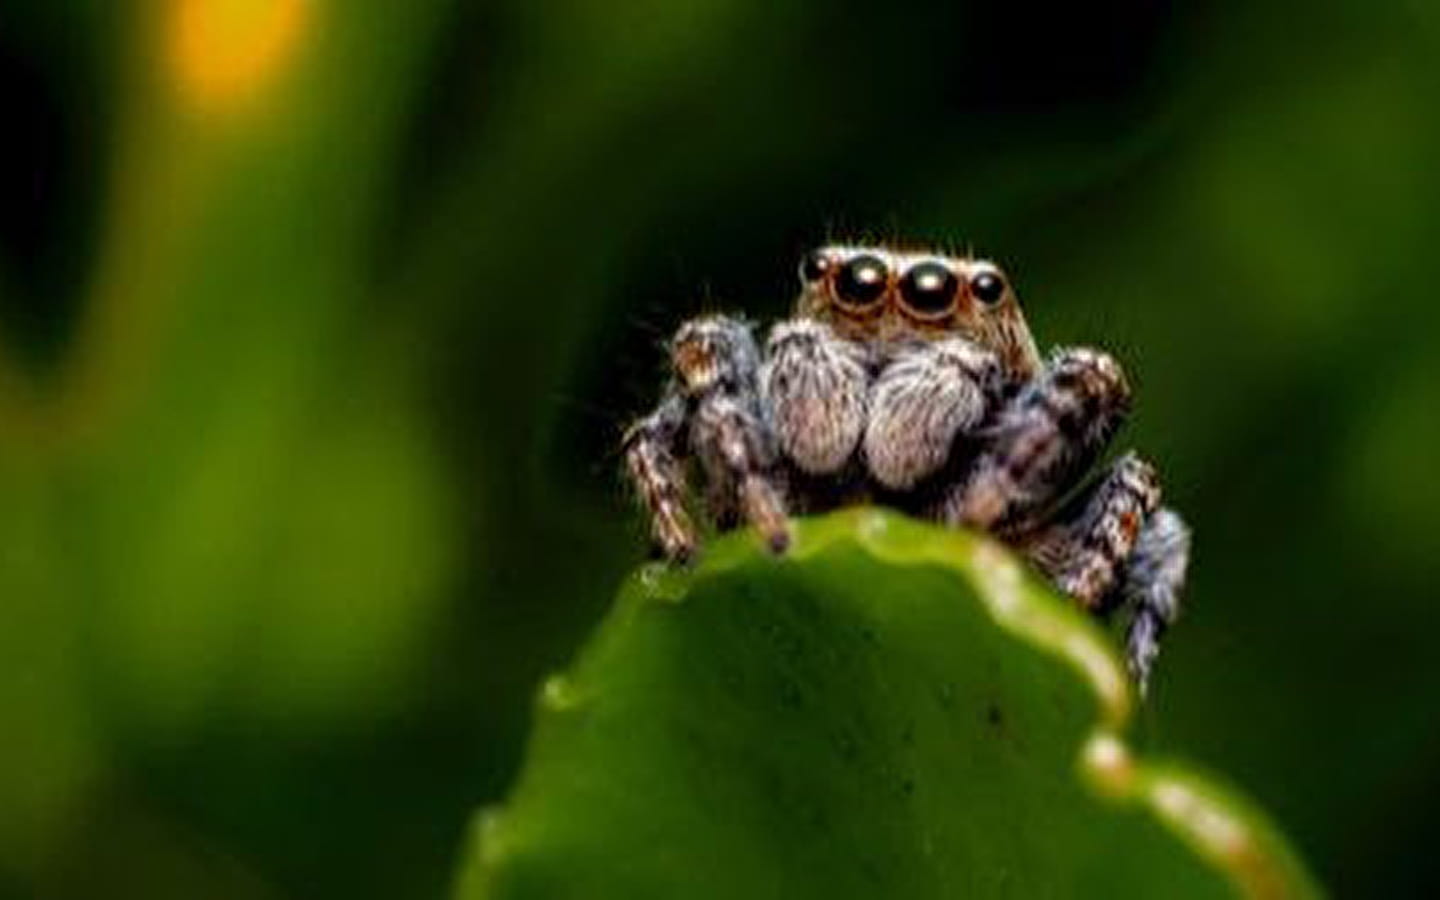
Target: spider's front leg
<point x="1154" y="578"/>
<point x="1085" y="549"/>
<point x="1114" y="546"/>
<point x="1111" y="543"/>
<point x="712" y="409"/>
<point x="1042" y="443"/>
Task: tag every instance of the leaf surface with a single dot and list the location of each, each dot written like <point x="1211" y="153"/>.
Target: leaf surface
<point x="891" y="710"/>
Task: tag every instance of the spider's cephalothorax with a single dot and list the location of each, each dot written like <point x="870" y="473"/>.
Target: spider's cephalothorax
<point x="911" y="379"/>
<point x="878" y="296"/>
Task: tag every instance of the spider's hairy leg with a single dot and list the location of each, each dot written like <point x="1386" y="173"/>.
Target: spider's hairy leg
<point x="922" y="401"/>
<point x="1044" y="441"/>
<point x="735" y="449"/>
<point x="710" y="409"/>
<point x="650" y="446"/>
<point x="1086" y="554"/>
<point x="1154" y="579"/>
<point x="815" y="384"/>
<point x="717" y="363"/>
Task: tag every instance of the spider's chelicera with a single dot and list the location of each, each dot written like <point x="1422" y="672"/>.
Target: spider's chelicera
<point x="912" y="380"/>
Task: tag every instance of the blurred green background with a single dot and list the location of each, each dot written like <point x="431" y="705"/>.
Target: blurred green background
<point x="321" y="320"/>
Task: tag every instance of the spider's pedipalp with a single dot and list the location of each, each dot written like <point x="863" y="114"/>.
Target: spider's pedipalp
<point x="814" y="385"/>
<point x="927" y="397"/>
<point x="1154" y="578"/>
<point x="1043" y="442"/>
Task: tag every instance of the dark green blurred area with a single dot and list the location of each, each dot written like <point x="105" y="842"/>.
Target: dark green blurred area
<point x="308" y="405"/>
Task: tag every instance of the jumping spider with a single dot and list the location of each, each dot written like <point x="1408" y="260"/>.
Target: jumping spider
<point x="911" y="380"/>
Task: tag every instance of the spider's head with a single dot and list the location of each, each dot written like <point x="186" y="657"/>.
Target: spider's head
<point x="712" y="351"/>
<point x="877" y="294"/>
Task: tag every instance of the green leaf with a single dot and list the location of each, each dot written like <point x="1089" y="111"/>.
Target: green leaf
<point x="892" y="710"/>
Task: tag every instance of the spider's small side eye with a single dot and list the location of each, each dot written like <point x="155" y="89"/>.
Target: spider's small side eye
<point x="987" y="287"/>
<point x="928" y="288"/>
<point x="815" y="266"/>
<point x="861" y="281"/>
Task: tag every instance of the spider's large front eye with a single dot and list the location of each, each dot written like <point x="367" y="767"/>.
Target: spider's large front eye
<point x="929" y="288"/>
<point x="861" y="281"/>
<point x="987" y="287"/>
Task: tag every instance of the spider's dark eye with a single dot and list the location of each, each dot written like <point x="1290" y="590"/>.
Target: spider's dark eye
<point x="987" y="287"/>
<point x="861" y="281"/>
<point x="814" y="266"/>
<point x="928" y="287"/>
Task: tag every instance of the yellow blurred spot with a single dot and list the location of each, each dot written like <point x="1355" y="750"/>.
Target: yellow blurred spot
<point x="225" y="52"/>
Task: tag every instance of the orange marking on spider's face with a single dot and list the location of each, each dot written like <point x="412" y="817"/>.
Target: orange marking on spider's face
<point x="223" y="52"/>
